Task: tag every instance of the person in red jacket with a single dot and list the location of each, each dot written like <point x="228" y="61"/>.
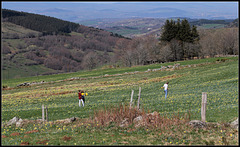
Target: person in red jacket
<point x="80" y="98"/>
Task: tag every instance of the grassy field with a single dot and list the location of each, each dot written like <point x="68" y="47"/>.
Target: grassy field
<point x="107" y="88"/>
<point x="211" y="26"/>
<point x="11" y="28"/>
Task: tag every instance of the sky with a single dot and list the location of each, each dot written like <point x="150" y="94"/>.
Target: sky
<point x="79" y="10"/>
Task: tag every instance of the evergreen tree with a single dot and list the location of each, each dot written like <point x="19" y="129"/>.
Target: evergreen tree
<point x="178" y="26"/>
<point x="183" y="34"/>
<point x="170" y="30"/>
<point x="185" y="31"/>
<point x="181" y="31"/>
<point x="195" y="34"/>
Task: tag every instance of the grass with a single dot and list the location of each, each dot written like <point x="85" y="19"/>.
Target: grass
<point x="218" y="79"/>
<point x="103" y="129"/>
<point x="16" y="68"/>
<point x="126" y="32"/>
<point x="210" y="26"/>
<point x="12" y="28"/>
<point x="100" y="72"/>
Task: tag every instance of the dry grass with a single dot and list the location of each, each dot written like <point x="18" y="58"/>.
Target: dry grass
<point x="122" y="113"/>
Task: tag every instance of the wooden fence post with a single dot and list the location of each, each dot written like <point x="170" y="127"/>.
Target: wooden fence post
<point x="139" y="95"/>
<point x="46" y="113"/>
<point x="42" y="112"/>
<point x="203" y="109"/>
<point x="131" y="99"/>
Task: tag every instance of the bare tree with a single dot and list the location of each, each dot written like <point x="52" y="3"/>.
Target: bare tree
<point x="228" y="39"/>
<point x="219" y="42"/>
<point x="207" y="43"/>
<point x="90" y="60"/>
<point x="139" y="51"/>
<point x="125" y="52"/>
<point x="165" y="52"/>
<point x="5" y="49"/>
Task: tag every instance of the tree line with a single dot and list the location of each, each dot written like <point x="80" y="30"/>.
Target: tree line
<point x="178" y="41"/>
<point x="92" y="47"/>
<point x="45" y="24"/>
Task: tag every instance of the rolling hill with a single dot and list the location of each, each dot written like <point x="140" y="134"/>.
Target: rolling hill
<point x="132" y="27"/>
<point x="111" y="88"/>
<point x="35" y="44"/>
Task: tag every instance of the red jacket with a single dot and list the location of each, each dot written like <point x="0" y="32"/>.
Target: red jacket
<point x="79" y="95"/>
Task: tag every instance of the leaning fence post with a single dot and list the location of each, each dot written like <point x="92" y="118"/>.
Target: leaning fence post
<point x="139" y="95"/>
<point x="131" y="99"/>
<point x="203" y="109"/>
<point x="42" y="112"/>
<point x="46" y="113"/>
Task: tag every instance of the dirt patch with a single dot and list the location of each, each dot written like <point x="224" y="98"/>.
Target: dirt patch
<point x="45" y="95"/>
<point x="26" y="136"/>
<point x="65" y="138"/>
<point x="159" y="79"/>
<point x="42" y="142"/>
<point x="24" y="143"/>
<point x="29" y="132"/>
<point x="15" y="134"/>
<point x="7" y="88"/>
<point x="61" y="93"/>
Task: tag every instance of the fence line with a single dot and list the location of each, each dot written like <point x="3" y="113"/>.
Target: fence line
<point x="43" y="117"/>
<point x="203" y="109"/>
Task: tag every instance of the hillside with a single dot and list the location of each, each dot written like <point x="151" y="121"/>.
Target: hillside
<point x="187" y="80"/>
<point x="46" y="25"/>
<point x="234" y="23"/>
<point x="31" y="48"/>
<point x="101" y="118"/>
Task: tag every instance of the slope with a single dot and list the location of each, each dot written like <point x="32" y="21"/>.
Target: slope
<point x="108" y="87"/>
<point x="31" y="48"/>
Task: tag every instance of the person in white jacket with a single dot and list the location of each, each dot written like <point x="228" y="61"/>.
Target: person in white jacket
<point x="165" y="86"/>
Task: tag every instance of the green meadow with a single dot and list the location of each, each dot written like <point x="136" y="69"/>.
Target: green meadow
<point x="109" y="87"/>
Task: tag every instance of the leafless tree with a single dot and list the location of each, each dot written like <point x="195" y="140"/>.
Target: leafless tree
<point x="165" y="52"/>
<point x="5" y="49"/>
<point x="90" y="60"/>
<point x="207" y="43"/>
<point x="219" y="42"/>
<point x="228" y="39"/>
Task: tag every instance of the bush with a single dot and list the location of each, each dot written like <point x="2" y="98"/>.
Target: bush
<point x="4" y="86"/>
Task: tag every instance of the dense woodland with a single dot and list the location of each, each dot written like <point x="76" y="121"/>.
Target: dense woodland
<point x="46" y="25"/>
<point x="66" y="46"/>
<point x="179" y="41"/>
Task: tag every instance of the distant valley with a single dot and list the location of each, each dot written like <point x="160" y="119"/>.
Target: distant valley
<point x="128" y="27"/>
<point x="135" y="27"/>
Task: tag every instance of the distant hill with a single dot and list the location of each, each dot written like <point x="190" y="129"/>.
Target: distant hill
<point x="132" y="27"/>
<point x="234" y="23"/>
<point x="128" y="27"/>
<point x="78" y="11"/>
<point x="34" y="44"/>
